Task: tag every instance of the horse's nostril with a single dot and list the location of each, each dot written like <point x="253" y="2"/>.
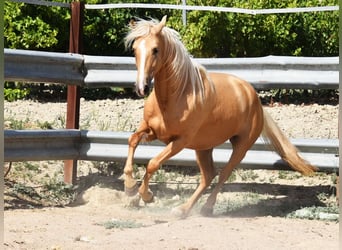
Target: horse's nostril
<point x="147" y="89"/>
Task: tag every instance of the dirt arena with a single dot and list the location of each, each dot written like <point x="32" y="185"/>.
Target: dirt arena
<point x="101" y="218"/>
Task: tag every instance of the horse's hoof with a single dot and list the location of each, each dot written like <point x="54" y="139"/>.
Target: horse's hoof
<point x="133" y="202"/>
<point x="207" y="211"/>
<point x="147" y="198"/>
<point x="179" y="213"/>
<point x="131" y="191"/>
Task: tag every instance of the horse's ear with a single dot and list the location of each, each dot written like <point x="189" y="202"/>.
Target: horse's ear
<point x="163" y="21"/>
<point x="160" y="25"/>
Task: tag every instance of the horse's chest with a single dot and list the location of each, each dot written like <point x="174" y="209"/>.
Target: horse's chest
<point x="165" y="130"/>
<point x="166" y="122"/>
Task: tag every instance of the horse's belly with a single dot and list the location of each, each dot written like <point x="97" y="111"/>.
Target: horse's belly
<point x="209" y="139"/>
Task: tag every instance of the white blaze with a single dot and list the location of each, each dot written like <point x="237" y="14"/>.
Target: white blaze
<point x="141" y="76"/>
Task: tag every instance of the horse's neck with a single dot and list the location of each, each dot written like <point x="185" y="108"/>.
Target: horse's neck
<point x="162" y="91"/>
<point x="167" y="90"/>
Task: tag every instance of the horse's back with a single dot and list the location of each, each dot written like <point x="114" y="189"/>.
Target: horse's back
<point x="234" y="92"/>
<point x="237" y="110"/>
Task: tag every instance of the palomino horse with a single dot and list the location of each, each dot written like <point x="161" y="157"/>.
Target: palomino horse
<point x="191" y="108"/>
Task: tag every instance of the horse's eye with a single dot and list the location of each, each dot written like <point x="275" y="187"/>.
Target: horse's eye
<point x="155" y="51"/>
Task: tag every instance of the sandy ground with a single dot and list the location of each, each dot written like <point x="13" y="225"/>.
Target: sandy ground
<point x="82" y="225"/>
<point x="77" y="228"/>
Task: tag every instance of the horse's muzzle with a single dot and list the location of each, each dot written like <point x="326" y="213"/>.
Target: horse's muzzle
<point x="142" y="89"/>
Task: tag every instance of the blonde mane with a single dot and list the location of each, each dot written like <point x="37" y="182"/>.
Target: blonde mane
<point x="178" y="62"/>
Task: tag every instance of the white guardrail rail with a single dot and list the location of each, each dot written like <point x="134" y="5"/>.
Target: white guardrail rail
<point x="111" y="71"/>
<point x="36" y="145"/>
<point x="99" y="71"/>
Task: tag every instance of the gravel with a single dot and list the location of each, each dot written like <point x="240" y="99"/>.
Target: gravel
<point x="297" y="121"/>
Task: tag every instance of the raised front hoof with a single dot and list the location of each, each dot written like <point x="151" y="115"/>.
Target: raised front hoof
<point x="148" y="197"/>
<point x="131" y="191"/>
<point x="207" y="211"/>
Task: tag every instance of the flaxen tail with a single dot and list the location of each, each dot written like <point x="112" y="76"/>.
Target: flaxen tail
<point x="281" y="144"/>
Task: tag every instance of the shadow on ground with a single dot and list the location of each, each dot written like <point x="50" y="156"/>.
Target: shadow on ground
<point x="280" y="199"/>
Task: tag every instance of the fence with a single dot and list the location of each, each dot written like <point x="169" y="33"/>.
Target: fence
<point x="77" y="70"/>
<point x="104" y="71"/>
<point x="36" y="145"/>
<point x="96" y="71"/>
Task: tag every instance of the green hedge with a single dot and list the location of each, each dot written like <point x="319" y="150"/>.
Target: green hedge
<point x="211" y="34"/>
<point x="207" y="34"/>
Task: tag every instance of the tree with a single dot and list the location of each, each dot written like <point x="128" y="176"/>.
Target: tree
<point x="35" y="27"/>
<point x="207" y="34"/>
<point x="212" y="34"/>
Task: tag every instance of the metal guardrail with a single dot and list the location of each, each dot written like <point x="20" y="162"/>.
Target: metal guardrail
<point x="48" y="67"/>
<point x="104" y="71"/>
<point x="37" y="145"/>
<point x="94" y="71"/>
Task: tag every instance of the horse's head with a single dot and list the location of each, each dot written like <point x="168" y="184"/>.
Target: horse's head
<point x="147" y="49"/>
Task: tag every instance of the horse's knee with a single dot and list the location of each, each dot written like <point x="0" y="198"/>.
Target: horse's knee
<point x="133" y="140"/>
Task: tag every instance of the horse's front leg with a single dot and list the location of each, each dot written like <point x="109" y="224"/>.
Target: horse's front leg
<point x="143" y="132"/>
<point x="170" y="150"/>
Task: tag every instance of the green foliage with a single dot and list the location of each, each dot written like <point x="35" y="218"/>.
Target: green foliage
<point x="13" y="92"/>
<point x="211" y="34"/>
<point x="30" y="185"/>
<point x="299" y="96"/>
<point x="57" y="190"/>
<point x="121" y="224"/>
<point x="45" y="125"/>
<point x="104" y="30"/>
<point x="16" y="124"/>
<point x="36" y="27"/>
<point x="316" y="213"/>
<point x="28" y="27"/>
<point x="207" y="34"/>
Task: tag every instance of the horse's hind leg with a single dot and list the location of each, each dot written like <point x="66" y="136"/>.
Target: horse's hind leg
<point x="130" y="183"/>
<point x="206" y="165"/>
<point x="240" y="147"/>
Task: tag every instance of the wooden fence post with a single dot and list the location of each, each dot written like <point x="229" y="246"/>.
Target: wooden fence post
<point x="73" y="94"/>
